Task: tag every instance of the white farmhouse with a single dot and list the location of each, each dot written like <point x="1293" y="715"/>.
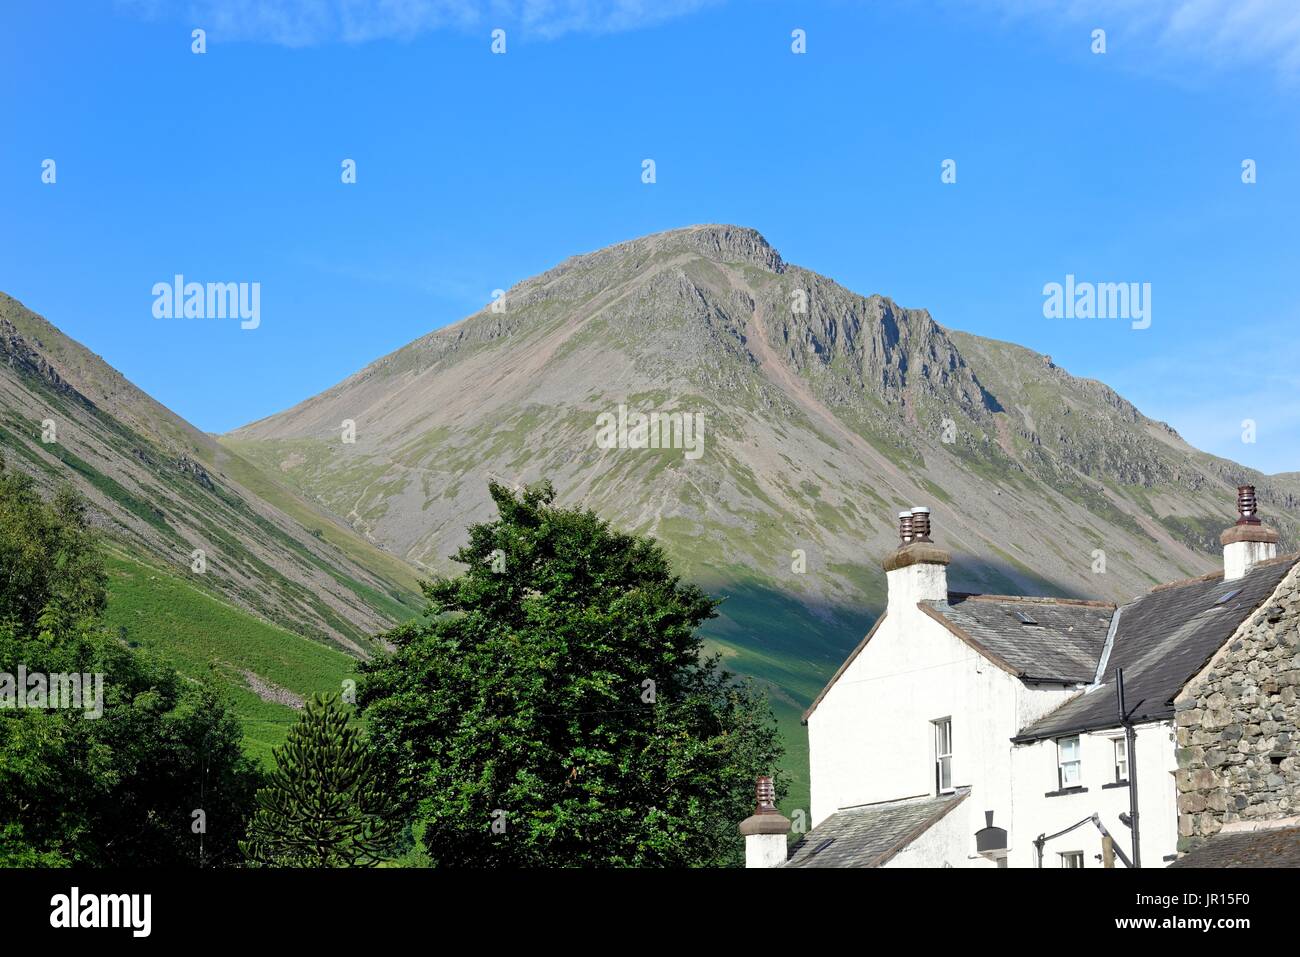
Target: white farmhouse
<point x="985" y="730"/>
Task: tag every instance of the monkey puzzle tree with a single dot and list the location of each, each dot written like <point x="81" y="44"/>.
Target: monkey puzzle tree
<point x="554" y="707"/>
<point x="322" y="805"/>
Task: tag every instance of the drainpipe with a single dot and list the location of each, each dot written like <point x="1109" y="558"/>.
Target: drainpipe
<point x="1130" y="745"/>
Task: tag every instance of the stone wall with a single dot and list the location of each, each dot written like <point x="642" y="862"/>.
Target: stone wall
<point x="1239" y="725"/>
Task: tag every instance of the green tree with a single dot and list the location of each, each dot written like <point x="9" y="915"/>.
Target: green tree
<point x="120" y="789"/>
<point x="554" y="708"/>
<point x="322" y="806"/>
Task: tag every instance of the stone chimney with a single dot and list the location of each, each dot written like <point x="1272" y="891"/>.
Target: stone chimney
<point x="1249" y="542"/>
<point x="918" y="569"/>
<point x="765" y="830"/>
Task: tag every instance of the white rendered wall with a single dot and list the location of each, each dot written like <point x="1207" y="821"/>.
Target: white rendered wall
<point x="946" y="844"/>
<point x="1241" y="557"/>
<point x="920" y="582"/>
<point x="871" y="738"/>
<point x="1034" y="770"/>
<point x="765" y="850"/>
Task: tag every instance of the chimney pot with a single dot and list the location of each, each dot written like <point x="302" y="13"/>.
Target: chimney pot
<point x="1247" y="505"/>
<point x="1249" y="541"/>
<point x="916" y="570"/>
<point x="920" y="524"/>
<point x="766" y="829"/>
<point x="905" y="527"/>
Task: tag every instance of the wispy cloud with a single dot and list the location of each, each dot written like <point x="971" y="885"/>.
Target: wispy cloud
<point x="421" y="275"/>
<point x="1217" y="34"/>
<point x="1208" y="395"/>
<point x="300" y="23"/>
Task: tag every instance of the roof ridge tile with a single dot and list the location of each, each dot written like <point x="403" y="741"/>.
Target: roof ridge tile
<point x="1033" y="599"/>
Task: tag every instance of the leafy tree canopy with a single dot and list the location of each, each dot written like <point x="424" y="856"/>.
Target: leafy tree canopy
<point x="554" y="706"/>
<point x="122" y="788"/>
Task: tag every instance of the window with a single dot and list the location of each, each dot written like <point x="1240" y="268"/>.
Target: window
<point x="1121" y="759"/>
<point x="1228" y="597"/>
<point x="1072" y="859"/>
<point x="943" y="755"/>
<point x="1068" y="768"/>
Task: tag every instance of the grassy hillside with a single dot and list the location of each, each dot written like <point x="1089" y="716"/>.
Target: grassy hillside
<point x="256" y="664"/>
<point x="205" y="638"/>
<point x="162" y="490"/>
<point x="326" y="528"/>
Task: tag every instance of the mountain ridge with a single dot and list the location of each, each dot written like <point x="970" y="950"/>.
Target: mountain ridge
<point x="164" y="489"/>
<point x="943" y="371"/>
<point x="827" y="411"/>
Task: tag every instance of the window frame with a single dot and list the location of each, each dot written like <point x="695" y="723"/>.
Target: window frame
<point x="1117" y="744"/>
<point x="1076" y="761"/>
<point x="938" y="726"/>
<point x="1067" y="855"/>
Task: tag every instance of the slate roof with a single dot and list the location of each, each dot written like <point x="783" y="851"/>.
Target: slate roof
<point x="1274" y="847"/>
<point x="1062" y="641"/>
<point x="1162" y="640"/>
<point x="871" y="835"/>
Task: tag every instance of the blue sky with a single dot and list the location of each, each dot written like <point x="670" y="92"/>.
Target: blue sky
<point x="475" y="171"/>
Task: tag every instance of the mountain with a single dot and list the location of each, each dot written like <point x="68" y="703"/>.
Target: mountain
<point x="162" y="489"/>
<point x="825" y="412"/>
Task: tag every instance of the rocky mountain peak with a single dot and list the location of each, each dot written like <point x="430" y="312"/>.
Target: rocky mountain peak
<point x="726" y="244"/>
<point x="716" y="242"/>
